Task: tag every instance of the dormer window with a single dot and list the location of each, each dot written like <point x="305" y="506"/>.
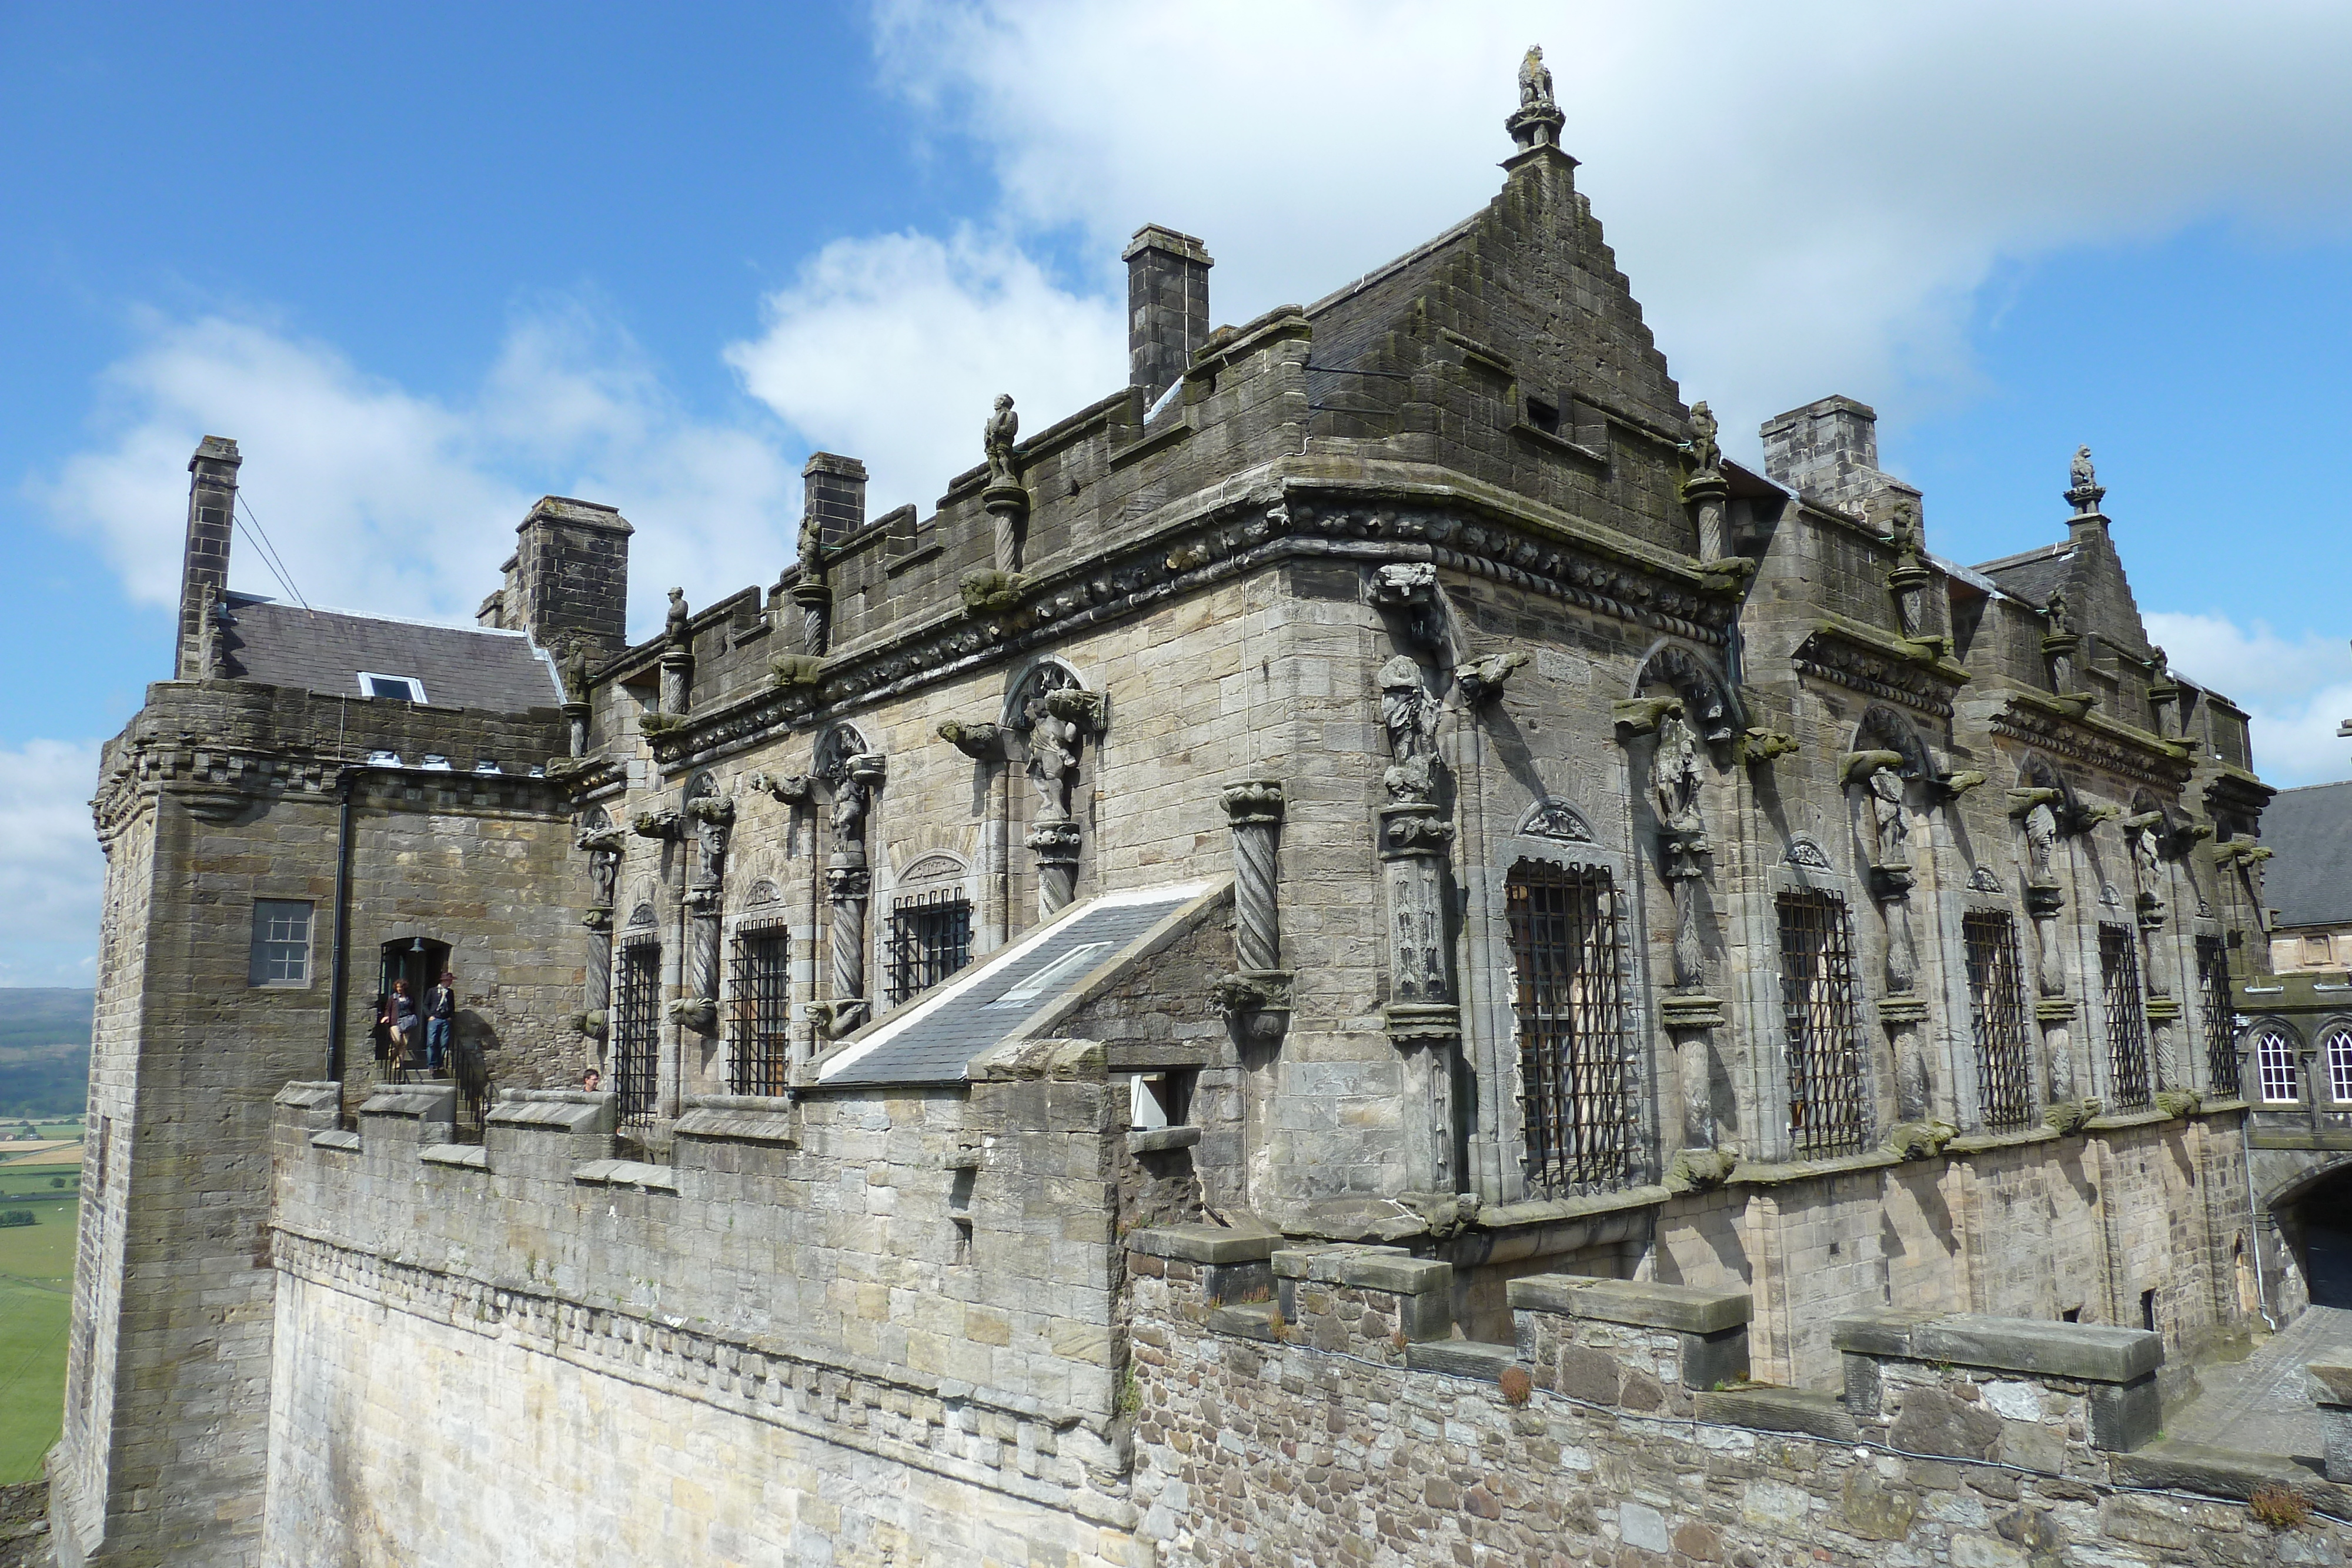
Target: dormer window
<point x="400" y="688"/>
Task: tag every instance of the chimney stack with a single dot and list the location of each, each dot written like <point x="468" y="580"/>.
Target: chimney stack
<point x="832" y="497"/>
<point x="1828" y="450"/>
<point x="571" y="577"/>
<point x="203" y="569"/>
<point x="1167" y="307"/>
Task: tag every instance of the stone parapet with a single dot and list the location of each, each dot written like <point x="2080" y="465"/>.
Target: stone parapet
<point x="1372" y="1301"/>
<point x="2040" y="1395"/>
<point x="2332" y="1391"/>
<point x="1626" y="1343"/>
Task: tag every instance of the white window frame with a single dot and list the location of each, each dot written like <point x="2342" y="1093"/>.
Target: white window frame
<point x="416" y="686"/>
<point x="2277" y="1066"/>
<point x="2336" y="1046"/>
<point x="261" y="956"/>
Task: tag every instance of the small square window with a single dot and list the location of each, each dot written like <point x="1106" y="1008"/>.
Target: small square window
<point x="400" y="688"/>
<point x="281" y="942"/>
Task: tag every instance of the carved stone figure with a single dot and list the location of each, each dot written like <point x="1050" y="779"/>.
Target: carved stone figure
<point x="1707" y="452"/>
<point x="2040" y="842"/>
<point x="2148" y="849"/>
<point x="851" y="797"/>
<point x="575" y="671"/>
<point x="2080" y="472"/>
<point x="2062" y="614"/>
<point x="1535" y="81"/>
<point x="1676" y="778"/>
<point x="673" y="623"/>
<point x="811" y="550"/>
<point x="1053" y="761"/>
<point x="1909" y="539"/>
<point x="1410" y="716"/>
<point x="997" y="437"/>
<point x="1890" y="825"/>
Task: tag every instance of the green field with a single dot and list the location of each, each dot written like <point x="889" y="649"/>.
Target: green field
<point x="34" y="1181"/>
<point x="36" y="1302"/>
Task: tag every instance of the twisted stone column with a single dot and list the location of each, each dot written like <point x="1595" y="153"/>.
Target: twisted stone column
<point x="847" y="887"/>
<point x="1254" y="810"/>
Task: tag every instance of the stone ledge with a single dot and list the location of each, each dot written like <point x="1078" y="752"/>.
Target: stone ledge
<point x="1683" y="1309"/>
<point x="1552" y="1211"/>
<point x="2117" y="1121"/>
<point x="1983" y="1143"/>
<point x="1163" y="1140"/>
<point x="464" y="1156"/>
<point x="341" y="1143"/>
<point x="312" y="1096"/>
<point x="2087" y="1353"/>
<point x="1777" y="1172"/>
<point x="626" y="1173"/>
<point x="2223" y="1472"/>
<point x="1779" y="1410"/>
<point x="416" y="1103"/>
<point x="1389" y="1269"/>
<point x="2333" y="1378"/>
<point x="1204" y="1244"/>
<point x="739" y="1118"/>
<point x="1253" y="1321"/>
<point x="565" y="1110"/>
<point x="1461" y="1358"/>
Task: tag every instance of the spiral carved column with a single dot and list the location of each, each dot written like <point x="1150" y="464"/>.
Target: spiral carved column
<point x="1257" y="998"/>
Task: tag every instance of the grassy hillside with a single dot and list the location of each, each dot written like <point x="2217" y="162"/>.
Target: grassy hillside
<point x="35" y="1301"/>
<point x="44" y="1050"/>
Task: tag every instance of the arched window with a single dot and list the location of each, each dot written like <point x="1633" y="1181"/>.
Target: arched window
<point x="760" y="1007"/>
<point x="2276" y="1067"/>
<point x="1828" y="1097"/>
<point x="1997" y="1009"/>
<point x="637" y="1037"/>
<point x="2336" y="1048"/>
<point x="1566" y="946"/>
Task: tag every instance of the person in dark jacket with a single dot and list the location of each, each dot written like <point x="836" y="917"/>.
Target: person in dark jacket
<point x="402" y="1009"/>
<point x="440" y="1018"/>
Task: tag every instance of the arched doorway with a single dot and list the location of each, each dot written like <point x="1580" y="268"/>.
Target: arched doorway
<point x="2318" y="1227"/>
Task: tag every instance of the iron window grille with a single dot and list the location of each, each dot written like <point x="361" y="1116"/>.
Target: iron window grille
<point x="1997" y="1009"/>
<point x="930" y="938"/>
<point x="1570" y="952"/>
<point x="2275" y="1068"/>
<point x="2220" y="1040"/>
<point x="2126" y="1016"/>
<point x="1828" y="1111"/>
<point x="638" y="1064"/>
<point x="760" y="999"/>
<point x="2336" y="1046"/>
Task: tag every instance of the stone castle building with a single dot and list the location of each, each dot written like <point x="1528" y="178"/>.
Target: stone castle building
<point x="1339" y="957"/>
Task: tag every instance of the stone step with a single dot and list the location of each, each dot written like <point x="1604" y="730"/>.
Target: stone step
<point x="1462" y="1358"/>
<point x="1251" y="1320"/>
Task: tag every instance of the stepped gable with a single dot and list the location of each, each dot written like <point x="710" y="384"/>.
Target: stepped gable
<point x="1528" y="275"/>
<point x="2309" y="879"/>
<point x="2099" y="599"/>
<point x="326" y="650"/>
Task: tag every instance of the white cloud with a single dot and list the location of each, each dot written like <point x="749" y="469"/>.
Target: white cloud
<point x="1806" y="196"/>
<point x="891" y="350"/>
<point x="382" y="499"/>
<point x="50" y="868"/>
<point x="2294" y="693"/>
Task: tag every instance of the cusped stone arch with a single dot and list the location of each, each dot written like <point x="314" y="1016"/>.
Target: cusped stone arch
<point x="2035" y="771"/>
<point x="1547" y="818"/>
<point x="1042" y="677"/>
<point x="702" y="786"/>
<point x="1882" y="728"/>
<point x="1709" y="703"/>
<point x="595" y="820"/>
<point x="841" y="741"/>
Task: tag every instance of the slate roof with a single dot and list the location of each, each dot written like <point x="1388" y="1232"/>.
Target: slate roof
<point x="2032" y="576"/>
<point x="325" y="650"/>
<point x="2309" y="879"/>
<point x="1352" y="319"/>
<point x="931" y="1041"/>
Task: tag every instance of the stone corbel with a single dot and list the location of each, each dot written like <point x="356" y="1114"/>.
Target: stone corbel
<point x="1951" y="787"/>
<point x="1079" y="707"/>
<point x="1410" y="589"/>
<point x="988" y="592"/>
<point x="2242" y="852"/>
<point x="981" y="742"/>
<point x="2085" y="818"/>
<point x="657" y="823"/>
<point x="713" y="808"/>
<point x="599" y="917"/>
<point x="599" y="840"/>
<point x="835" y="1019"/>
<point x="792" y="791"/>
<point x="797" y="671"/>
<point x="1256" y="1003"/>
<point x="1857" y="767"/>
<point x="1482" y="680"/>
<point x="591" y="1024"/>
<point x="1640" y="716"/>
<point x="869" y="768"/>
<point x="2021" y="802"/>
<point x="699" y="1014"/>
<point x="1759" y="747"/>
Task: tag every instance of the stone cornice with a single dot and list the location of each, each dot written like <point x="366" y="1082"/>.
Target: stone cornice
<point x="1879" y="663"/>
<point x="2048" y="723"/>
<point x="1254" y="523"/>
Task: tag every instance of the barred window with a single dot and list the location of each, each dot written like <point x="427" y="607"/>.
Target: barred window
<point x="1997" y="1009"/>
<point x="2277" y="1068"/>
<point x="1828" y="1111"/>
<point x="2336" y="1046"/>
<point x="281" y="942"/>
<point x="2221" y="1039"/>
<point x="2126" y="1016"/>
<point x="760" y="999"/>
<point x="1569" y="955"/>
<point x="637" y="1041"/>
<point x="930" y="938"/>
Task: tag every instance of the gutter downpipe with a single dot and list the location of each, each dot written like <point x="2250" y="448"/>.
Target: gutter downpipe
<point x="344" y="778"/>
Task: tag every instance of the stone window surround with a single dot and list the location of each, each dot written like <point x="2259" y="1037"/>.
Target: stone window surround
<point x="269" y="952"/>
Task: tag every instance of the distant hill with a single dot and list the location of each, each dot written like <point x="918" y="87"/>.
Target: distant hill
<point x="44" y="1050"/>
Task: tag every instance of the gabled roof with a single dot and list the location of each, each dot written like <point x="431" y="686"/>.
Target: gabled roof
<point x="326" y="650"/>
<point x="2031" y="576"/>
<point x="2308" y="880"/>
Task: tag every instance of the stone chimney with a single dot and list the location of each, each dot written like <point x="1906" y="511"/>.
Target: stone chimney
<point x="1167" y="307"/>
<point x="570" y="580"/>
<point x="1827" y="450"/>
<point x="203" y="569"/>
<point x="832" y="497"/>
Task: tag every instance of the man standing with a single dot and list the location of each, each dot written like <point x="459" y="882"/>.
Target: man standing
<point x="440" y="1013"/>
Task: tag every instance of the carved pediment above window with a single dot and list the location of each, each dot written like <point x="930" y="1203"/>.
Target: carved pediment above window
<point x="763" y="892"/>
<point x="1982" y="879"/>
<point x="1555" y="819"/>
<point x="1804" y="852"/>
<point x="934" y="868"/>
<point x="641" y="918"/>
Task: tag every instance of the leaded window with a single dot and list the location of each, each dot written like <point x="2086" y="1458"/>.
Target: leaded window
<point x="2220" y="1040"/>
<point x="2277" y="1068"/>
<point x="638" y="1040"/>
<point x="1569" y="955"/>
<point x="930" y="938"/>
<point x="1997" y="1009"/>
<point x="2335" y="1049"/>
<point x="2126" y="1016"/>
<point x="1827" y="1107"/>
<point x="760" y="1001"/>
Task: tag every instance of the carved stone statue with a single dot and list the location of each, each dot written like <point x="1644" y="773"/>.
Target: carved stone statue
<point x="1890" y="825"/>
<point x="1535" y="81"/>
<point x="673" y="623"/>
<point x="1909" y="539"/>
<point x="1053" y="760"/>
<point x="1004" y="425"/>
<point x="811" y="550"/>
<point x="2080" y="472"/>
<point x="2147" y="848"/>
<point x="1410" y="718"/>
<point x="575" y="671"/>
<point x="1676" y="778"/>
<point x="851" y="797"/>
<point x="2040" y="842"/>
<point x="2062" y="614"/>
<point x="1707" y="452"/>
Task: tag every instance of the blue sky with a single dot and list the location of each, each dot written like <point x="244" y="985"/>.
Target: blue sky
<point x="426" y="263"/>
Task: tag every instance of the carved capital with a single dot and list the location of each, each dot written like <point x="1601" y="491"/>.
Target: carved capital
<point x="1412" y="1024"/>
<point x="1254" y="800"/>
<point x="598" y="918"/>
<point x="1055" y="842"/>
<point x="1413" y="827"/>
<point x="848" y="884"/>
<point x="1255" y="1002"/>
